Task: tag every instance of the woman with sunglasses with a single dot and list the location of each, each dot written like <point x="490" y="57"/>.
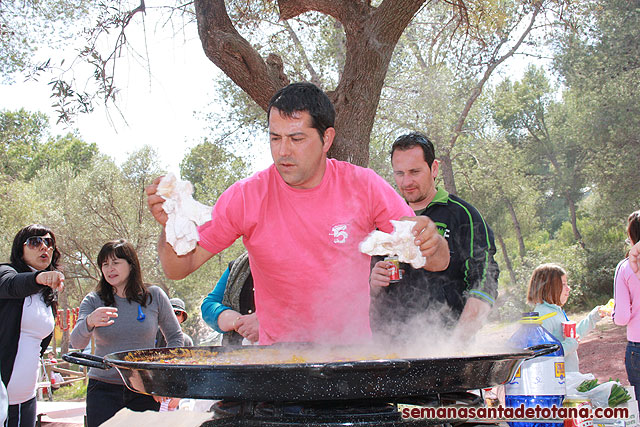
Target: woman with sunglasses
<point x="626" y="295"/>
<point x="121" y="314"/>
<point x="28" y="286"/>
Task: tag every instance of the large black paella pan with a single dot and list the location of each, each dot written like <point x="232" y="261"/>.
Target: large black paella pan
<point x="169" y="372"/>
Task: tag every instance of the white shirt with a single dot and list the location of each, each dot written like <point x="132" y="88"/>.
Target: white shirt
<point x="36" y="324"/>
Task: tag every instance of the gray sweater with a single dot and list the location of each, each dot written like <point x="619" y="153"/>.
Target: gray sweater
<point x="126" y="333"/>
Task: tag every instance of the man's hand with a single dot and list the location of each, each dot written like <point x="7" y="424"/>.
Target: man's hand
<point x="175" y="267"/>
<point x="155" y="202"/>
<point x="634" y="259"/>
<point x="380" y="276"/>
<point x="432" y="245"/>
<point x="471" y="320"/>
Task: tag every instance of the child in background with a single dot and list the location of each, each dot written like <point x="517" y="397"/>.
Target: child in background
<point x="549" y="290"/>
<point x="627" y="304"/>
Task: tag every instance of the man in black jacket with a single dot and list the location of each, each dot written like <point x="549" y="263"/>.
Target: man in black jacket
<point x="458" y="298"/>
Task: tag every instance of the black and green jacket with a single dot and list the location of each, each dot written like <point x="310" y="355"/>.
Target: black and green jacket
<point x="472" y="271"/>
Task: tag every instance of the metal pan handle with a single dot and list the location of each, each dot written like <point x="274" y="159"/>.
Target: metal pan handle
<point x="86" y="359"/>
<point x="542" y="349"/>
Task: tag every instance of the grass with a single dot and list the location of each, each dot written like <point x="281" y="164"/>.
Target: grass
<point x="73" y="392"/>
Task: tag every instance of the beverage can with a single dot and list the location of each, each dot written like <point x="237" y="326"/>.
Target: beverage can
<point x="582" y="417"/>
<point x="394" y="270"/>
<point x="569" y="328"/>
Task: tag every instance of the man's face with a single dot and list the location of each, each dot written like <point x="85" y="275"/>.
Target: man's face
<point x="297" y="149"/>
<point x="414" y="178"/>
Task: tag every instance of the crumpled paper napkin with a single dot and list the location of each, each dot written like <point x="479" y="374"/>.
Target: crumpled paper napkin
<point x="399" y="242"/>
<point x="185" y="214"/>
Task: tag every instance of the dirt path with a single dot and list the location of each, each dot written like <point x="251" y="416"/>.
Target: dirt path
<point x="601" y="352"/>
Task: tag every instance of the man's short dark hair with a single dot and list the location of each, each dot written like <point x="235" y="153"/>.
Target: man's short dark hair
<point x="305" y="97"/>
<point x="415" y="139"/>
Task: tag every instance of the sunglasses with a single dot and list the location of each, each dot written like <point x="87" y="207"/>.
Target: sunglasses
<point x="34" y="242"/>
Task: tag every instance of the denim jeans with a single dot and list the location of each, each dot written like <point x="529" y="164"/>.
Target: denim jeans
<point x="632" y="363"/>
<point x="22" y="414"/>
<point x="104" y="400"/>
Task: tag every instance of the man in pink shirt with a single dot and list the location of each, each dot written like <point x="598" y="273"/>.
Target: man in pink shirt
<point x="301" y="221"/>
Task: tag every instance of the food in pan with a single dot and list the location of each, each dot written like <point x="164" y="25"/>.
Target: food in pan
<point x="254" y="356"/>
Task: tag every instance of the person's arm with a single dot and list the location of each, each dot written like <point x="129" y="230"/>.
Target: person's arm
<point x="479" y="267"/>
<point x="622" y="296"/>
<point x="473" y="316"/>
<point x="81" y="333"/>
<point x="589" y="322"/>
<point x="14" y="285"/>
<point x="212" y="307"/>
<point x="178" y="267"/>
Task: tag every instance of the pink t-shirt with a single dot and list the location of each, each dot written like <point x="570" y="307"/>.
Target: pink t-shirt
<point x="627" y="300"/>
<point x="311" y="282"/>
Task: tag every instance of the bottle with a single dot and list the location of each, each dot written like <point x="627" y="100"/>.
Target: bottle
<point x="539" y="381"/>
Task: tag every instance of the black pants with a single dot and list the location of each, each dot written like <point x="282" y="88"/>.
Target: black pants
<point x="22" y="414"/>
<point x="104" y="400"/>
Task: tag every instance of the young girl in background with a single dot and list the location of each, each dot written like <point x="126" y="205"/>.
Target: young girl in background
<point x="549" y="290"/>
<point x="627" y="304"/>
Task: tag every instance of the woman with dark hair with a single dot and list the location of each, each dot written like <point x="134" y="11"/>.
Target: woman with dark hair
<point x="627" y="304"/>
<point x="121" y="314"/>
<point x="549" y="290"/>
<point x="28" y="286"/>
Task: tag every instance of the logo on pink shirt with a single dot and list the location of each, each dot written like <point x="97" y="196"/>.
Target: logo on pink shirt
<point x="339" y="233"/>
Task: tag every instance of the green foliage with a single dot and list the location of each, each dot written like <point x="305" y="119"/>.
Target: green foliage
<point x="28" y="25"/>
<point x="211" y="168"/>
<point x="598" y="59"/>
<point x="24" y="151"/>
<point x="74" y="391"/>
<point x="21" y="134"/>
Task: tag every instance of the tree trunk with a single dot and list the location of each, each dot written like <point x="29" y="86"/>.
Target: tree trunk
<point x="371" y="36"/>
<point x="446" y="172"/>
<point x="507" y="260"/>
<point x="63" y="304"/>
<point x="516" y="226"/>
<point x="574" y="221"/>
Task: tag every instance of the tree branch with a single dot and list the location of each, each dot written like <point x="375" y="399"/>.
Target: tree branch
<point x="477" y="90"/>
<point x="315" y="78"/>
<point x="235" y="56"/>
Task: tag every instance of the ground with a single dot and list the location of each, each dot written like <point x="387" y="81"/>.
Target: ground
<point x="601" y="352"/>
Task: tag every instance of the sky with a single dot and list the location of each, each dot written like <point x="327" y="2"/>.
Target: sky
<point x="161" y="106"/>
<point x="161" y="103"/>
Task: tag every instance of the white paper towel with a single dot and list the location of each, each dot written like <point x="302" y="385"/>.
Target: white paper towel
<point x="185" y="214"/>
<point x="399" y="242"/>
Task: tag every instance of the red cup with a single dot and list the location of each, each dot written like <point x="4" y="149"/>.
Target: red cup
<point x="569" y="328"/>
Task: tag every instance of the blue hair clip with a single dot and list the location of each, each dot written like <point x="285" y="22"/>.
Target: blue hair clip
<point x="141" y="315"/>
